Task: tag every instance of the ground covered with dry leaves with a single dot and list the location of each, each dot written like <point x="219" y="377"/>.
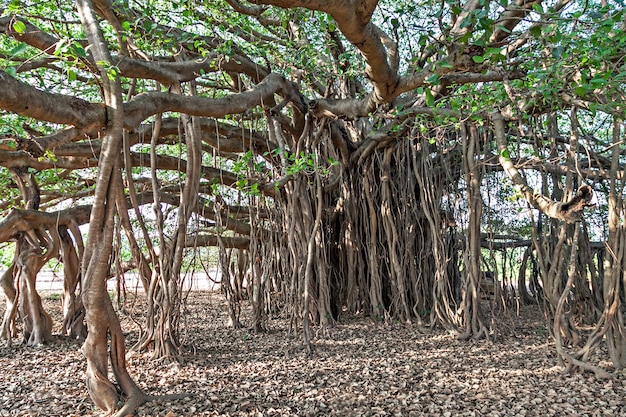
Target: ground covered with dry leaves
<point x="363" y="369"/>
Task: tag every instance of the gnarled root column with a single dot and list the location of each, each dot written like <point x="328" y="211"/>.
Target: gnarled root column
<point x="73" y="311"/>
<point x="381" y="243"/>
<point x="37" y="322"/>
<point x="474" y="326"/>
<point x="19" y="286"/>
<point x="610" y="326"/>
<point x="101" y="316"/>
<point x="10" y="295"/>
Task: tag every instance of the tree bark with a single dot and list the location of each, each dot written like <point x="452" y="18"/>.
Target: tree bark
<point x="37" y="322"/>
<point x="473" y="317"/>
<point x="99" y="314"/>
<point x="570" y="211"/>
<point x="73" y="311"/>
<point x="11" y="294"/>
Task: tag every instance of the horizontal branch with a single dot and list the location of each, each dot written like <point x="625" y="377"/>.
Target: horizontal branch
<point x="213" y="240"/>
<point x="411" y="82"/>
<point x="355" y="108"/>
<point x="488" y="242"/>
<point x="203" y="208"/>
<point x="21" y="98"/>
<point x="24" y="221"/>
<point x="145" y="105"/>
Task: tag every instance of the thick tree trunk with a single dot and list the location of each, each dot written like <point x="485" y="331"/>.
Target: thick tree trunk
<point x="99" y="315"/>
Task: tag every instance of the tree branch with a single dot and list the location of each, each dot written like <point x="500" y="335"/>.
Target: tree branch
<point x="511" y="17"/>
<point x="569" y="212"/>
<point x="145" y="105"/>
<point x="353" y="18"/>
<point x="21" y="98"/>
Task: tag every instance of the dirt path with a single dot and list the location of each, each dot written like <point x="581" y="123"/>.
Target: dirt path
<point x="50" y="282"/>
<point x="364" y="369"/>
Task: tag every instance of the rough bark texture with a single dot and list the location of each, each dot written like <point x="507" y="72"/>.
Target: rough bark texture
<point x="100" y="317"/>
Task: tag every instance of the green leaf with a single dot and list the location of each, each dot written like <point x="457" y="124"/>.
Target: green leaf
<point x="430" y="100"/>
<point x="60" y="47"/>
<point x="48" y="155"/>
<point x="18" y="49"/>
<point x="557" y="52"/>
<point x="19" y="26"/>
<point x="479" y="13"/>
<point x="79" y="50"/>
<point x="597" y="81"/>
<point x="580" y="91"/>
<point x="466" y="37"/>
<point x="478" y="59"/>
<point x="505" y="154"/>
<point x="112" y="72"/>
<point x="14" y="6"/>
<point x="536" y="31"/>
<point x="12" y="71"/>
<point x="433" y="80"/>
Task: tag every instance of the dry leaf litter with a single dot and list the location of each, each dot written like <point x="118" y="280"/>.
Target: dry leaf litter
<point x="362" y="369"/>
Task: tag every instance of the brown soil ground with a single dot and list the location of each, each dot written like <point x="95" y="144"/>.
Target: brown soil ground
<point x="362" y="369"/>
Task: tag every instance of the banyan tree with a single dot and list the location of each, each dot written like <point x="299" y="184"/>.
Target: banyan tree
<point x="375" y="157"/>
